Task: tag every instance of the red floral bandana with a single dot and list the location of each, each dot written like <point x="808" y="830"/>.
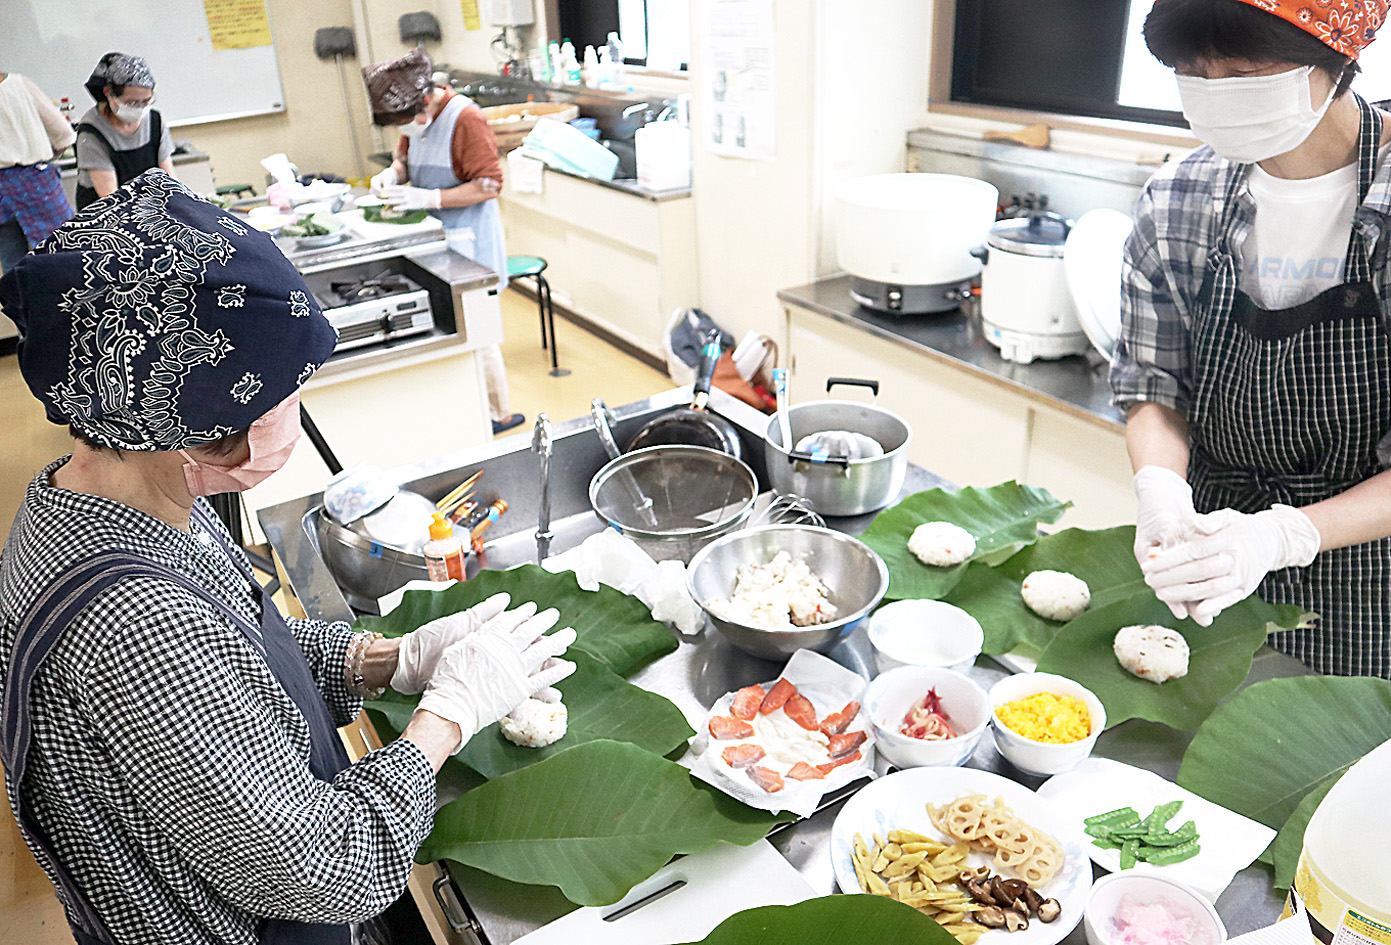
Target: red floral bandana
<point x="1349" y="26"/>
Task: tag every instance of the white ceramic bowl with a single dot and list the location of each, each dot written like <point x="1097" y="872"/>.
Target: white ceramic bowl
<point x="1035" y="757"/>
<point x="891" y="694"/>
<point x="1146" y="889"/>
<point x="924" y="633"/>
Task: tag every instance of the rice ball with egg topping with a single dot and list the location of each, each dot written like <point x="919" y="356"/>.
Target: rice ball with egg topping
<point x="1056" y="595"/>
<point x="536" y="724"/>
<point x="1152" y="652"/>
<point x="941" y="544"/>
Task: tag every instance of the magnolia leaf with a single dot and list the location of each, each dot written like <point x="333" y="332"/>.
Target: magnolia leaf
<point x="830" y="920"/>
<point x="594" y="821"/>
<point x="1219" y="658"/>
<point x="1002" y="519"/>
<point x="992" y="597"/>
<point x="1271" y="744"/>
<point x="1289" y="842"/>
<point x="600" y="704"/>
<point x="610" y="625"/>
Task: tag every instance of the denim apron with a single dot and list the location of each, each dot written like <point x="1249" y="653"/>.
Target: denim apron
<point x="41" y="629"/>
<point x="1290" y="407"/>
<point x="476" y="231"/>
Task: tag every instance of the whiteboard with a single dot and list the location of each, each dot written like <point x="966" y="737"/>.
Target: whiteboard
<point x="58" y="42"/>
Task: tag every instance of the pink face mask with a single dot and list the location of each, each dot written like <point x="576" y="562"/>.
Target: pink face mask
<point x="270" y="440"/>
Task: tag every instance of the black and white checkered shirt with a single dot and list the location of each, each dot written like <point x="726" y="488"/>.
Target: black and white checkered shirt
<point x="169" y="767"/>
<point x="1166" y="258"/>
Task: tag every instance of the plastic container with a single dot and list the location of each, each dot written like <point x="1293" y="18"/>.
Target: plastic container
<point x="1342" y="887"/>
<point x="663" y="151"/>
<point x="444" y="552"/>
<point x="569" y="63"/>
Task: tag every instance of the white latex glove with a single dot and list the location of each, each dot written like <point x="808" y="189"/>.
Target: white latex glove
<point x="1228" y="555"/>
<point x="406" y="197"/>
<point x="387" y="178"/>
<point x="421" y="648"/>
<point x="1163" y="516"/>
<point x="490" y="672"/>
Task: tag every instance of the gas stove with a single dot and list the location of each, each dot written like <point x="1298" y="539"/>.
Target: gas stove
<point x="382" y="307"/>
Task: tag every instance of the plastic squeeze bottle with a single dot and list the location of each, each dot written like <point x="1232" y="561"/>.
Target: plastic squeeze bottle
<point x="444" y="552"/>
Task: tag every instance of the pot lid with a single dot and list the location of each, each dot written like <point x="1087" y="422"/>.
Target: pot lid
<point x="1033" y="235"/>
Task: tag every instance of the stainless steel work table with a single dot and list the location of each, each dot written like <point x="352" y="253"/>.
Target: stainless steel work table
<point x="705" y="666"/>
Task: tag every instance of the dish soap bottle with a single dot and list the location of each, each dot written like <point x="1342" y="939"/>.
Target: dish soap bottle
<point x="444" y="552"/>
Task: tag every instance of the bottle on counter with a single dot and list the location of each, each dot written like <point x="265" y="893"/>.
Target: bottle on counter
<point x="592" y="75"/>
<point x="569" y="64"/>
<point x="618" y="78"/>
<point x="444" y="552"/>
<point x="556" y="62"/>
<point x="483" y="521"/>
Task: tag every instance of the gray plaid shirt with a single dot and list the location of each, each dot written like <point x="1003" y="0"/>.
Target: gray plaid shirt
<point x="169" y="767"/>
<point x="1166" y="258"/>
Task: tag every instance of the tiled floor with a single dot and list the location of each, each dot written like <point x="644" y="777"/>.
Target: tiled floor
<point x="29" y="914"/>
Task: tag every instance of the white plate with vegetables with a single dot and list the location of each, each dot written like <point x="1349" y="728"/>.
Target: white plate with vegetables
<point x="899" y="802"/>
<point x="1226" y="841"/>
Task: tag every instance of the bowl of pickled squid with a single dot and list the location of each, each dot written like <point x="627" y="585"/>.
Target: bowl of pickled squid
<point x="926" y="715"/>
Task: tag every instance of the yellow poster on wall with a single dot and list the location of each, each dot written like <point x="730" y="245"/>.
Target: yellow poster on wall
<point x="471" y="21"/>
<point x="237" y="24"/>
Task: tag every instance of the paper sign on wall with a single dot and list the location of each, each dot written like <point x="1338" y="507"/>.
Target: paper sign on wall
<point x="737" y="78"/>
<point x="237" y="24"/>
<point x="471" y="21"/>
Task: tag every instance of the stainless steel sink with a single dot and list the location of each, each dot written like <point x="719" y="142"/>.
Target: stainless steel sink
<point x="512" y="472"/>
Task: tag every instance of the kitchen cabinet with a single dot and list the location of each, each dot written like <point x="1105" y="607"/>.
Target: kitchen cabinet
<point x="619" y="257"/>
<point x="970" y="427"/>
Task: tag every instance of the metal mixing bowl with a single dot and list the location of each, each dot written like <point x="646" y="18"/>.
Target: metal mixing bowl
<point x="852" y="571"/>
<point x="379" y="552"/>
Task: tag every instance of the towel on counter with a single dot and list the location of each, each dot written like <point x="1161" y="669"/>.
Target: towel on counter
<point x="526" y="174"/>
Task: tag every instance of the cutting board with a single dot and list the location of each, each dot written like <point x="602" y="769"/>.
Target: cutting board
<point x="385" y="231"/>
<point x="719" y="882"/>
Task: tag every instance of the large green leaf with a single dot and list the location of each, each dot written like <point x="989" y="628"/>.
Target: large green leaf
<point x="992" y="597"/>
<point x="830" y="920"/>
<point x="1263" y="751"/>
<point x="1289" y="842"/>
<point x="1002" y="518"/>
<point x="610" y="625"/>
<point x="601" y="705"/>
<point x="1219" y="658"/>
<point x="594" y="821"/>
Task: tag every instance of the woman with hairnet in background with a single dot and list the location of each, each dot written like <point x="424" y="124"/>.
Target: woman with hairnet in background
<point x="168" y="737"/>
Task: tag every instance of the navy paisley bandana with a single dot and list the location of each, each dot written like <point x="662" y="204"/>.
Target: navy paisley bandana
<point x="155" y="321"/>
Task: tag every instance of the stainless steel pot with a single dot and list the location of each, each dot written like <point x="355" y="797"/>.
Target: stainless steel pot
<point x="836" y="485"/>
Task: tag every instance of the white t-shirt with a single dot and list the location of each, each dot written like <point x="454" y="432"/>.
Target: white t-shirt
<point x="1299" y="245"/>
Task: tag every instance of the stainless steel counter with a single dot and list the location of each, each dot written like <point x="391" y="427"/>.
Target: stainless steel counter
<point x="1076" y="384"/>
<point x="704" y="666"/>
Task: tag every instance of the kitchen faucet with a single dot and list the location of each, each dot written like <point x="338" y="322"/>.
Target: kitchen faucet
<point x="541" y="444"/>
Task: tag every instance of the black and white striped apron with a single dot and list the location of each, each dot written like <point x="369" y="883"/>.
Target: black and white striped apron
<point x="1289" y="407"/>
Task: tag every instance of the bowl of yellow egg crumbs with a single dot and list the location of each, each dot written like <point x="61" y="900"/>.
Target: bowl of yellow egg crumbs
<point x="1044" y="724"/>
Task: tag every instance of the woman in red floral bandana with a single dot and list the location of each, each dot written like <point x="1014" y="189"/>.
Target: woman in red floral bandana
<point x="1255" y="357"/>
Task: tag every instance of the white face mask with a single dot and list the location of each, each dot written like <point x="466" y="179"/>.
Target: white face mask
<point x="128" y="113"/>
<point x="1249" y="119"/>
<point x="412" y="129"/>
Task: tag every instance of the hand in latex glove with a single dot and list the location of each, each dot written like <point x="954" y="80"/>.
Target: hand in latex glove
<point x="1163" y="516"/>
<point x="421" y="649"/>
<point x="1229" y="554"/>
<point x="490" y="672"/>
<point x="387" y="178"/>
<point x="406" y="197"/>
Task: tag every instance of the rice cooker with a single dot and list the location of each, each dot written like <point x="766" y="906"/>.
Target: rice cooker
<point x="1026" y="308"/>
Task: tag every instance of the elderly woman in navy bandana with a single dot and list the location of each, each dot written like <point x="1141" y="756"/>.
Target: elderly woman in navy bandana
<point x="168" y="738"/>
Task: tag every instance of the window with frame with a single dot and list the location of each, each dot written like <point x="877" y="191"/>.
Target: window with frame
<point x="656" y="34"/>
<point x="1085" y="58"/>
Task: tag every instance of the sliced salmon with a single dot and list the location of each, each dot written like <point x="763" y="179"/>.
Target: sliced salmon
<point x="741" y="756"/>
<point x="845" y="743"/>
<point x="777" y="696"/>
<point x="746" y="702"/>
<point x="830" y="766"/>
<point x="802" y="771"/>
<point x="766" y="778"/>
<point x="836" y="722"/>
<point x="800" y="710"/>
<point x="722" y="726"/>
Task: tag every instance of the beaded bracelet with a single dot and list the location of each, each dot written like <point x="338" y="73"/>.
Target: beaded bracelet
<point x="357" y="655"/>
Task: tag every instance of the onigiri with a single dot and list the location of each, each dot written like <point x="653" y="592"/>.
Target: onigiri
<point x="535" y="724"/>
<point x="1151" y="652"/>
<point x="941" y="544"/>
<point x="1056" y="595"/>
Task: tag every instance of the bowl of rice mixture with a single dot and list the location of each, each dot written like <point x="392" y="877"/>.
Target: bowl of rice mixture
<point x="777" y="589"/>
<point x="1043" y="723"/>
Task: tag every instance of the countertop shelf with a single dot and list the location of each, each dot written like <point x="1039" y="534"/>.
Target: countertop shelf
<point x="1076" y="384"/>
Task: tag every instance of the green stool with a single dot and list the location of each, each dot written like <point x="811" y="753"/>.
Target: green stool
<point x="532" y="267"/>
